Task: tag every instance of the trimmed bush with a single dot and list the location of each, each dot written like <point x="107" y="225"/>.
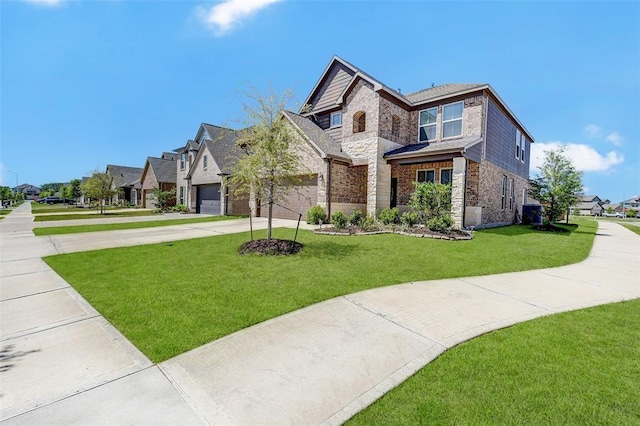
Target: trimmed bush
<point x="389" y="216"/>
<point x="339" y="220"/>
<point x="356" y="218"/>
<point x="180" y="208"/>
<point x="369" y="223"/>
<point x="316" y="215"/>
<point x="440" y="224"/>
<point x="409" y="219"/>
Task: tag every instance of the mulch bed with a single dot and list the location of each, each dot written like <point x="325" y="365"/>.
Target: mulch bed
<point x="272" y="247"/>
<point x="415" y="231"/>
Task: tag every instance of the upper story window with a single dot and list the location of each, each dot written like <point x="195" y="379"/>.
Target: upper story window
<point x="183" y="157"/>
<point x="336" y="119"/>
<point x="518" y="143"/>
<point x="523" y="144"/>
<point x="359" y="122"/>
<point x="428" y="124"/>
<point x="205" y="162"/>
<point x="426" y="176"/>
<point x="395" y="126"/>
<point x="452" y="120"/>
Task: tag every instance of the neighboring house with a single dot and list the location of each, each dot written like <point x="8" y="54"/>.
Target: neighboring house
<point x="366" y="145"/>
<point x="632" y="203"/>
<point x="158" y="173"/>
<point x="616" y="208"/>
<point x="589" y="205"/>
<point x="202" y="168"/>
<point x="29" y="191"/>
<point x="127" y="180"/>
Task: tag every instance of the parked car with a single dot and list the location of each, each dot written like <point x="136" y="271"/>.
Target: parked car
<point x="614" y="214"/>
<point x="51" y="200"/>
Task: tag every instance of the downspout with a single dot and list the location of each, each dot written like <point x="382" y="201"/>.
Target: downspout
<point x="328" y="183"/>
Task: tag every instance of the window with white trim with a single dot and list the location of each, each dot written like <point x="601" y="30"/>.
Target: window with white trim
<point x="518" y="142"/>
<point x="426" y="175"/>
<point x="504" y="193"/>
<point x="183" y="158"/>
<point x="182" y="195"/>
<point x="205" y="162"/>
<point x="336" y="119"/>
<point x="523" y="143"/>
<point x="445" y="176"/>
<point x="452" y="120"/>
<point x="427" y="125"/>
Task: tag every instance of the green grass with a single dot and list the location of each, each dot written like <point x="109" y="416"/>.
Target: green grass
<point x="57" y="230"/>
<point x="74" y="216"/>
<point x="632" y="228"/>
<point x="578" y="368"/>
<point x="170" y="298"/>
<point x="56" y="208"/>
<point x="4" y="212"/>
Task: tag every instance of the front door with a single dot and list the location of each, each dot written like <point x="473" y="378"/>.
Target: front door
<point x="394" y="192"/>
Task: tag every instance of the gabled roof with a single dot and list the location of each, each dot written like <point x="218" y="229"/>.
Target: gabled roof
<point x="587" y="205"/>
<point x="224" y="151"/>
<point x="169" y="155"/>
<point x="210" y="132"/>
<point x="124" y="175"/>
<point x="589" y="198"/>
<point x="425" y="149"/>
<point x="413" y="100"/>
<point x="163" y="169"/>
<point x="319" y="139"/>
<point x="443" y="90"/>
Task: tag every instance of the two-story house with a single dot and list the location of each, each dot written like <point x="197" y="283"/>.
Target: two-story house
<point x="368" y="144"/>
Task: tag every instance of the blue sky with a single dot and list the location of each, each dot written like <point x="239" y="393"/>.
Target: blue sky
<point x="87" y="83"/>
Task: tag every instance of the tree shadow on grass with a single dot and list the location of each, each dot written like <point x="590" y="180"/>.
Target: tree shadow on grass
<point x="559" y="229"/>
<point x="331" y="249"/>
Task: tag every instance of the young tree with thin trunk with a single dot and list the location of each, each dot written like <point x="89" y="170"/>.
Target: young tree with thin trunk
<point x="272" y="166"/>
<point x="557" y="186"/>
<point x="98" y="187"/>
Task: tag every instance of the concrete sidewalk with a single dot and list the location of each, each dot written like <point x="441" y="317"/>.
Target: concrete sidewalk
<point x="317" y="365"/>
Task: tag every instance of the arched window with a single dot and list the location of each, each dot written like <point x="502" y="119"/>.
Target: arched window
<point x="395" y="126"/>
<point x="359" y="121"/>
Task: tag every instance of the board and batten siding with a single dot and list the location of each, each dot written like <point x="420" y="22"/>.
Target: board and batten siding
<point x="501" y="142"/>
<point x="333" y="85"/>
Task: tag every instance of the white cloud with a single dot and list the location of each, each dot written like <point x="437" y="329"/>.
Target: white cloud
<point x="585" y="158"/>
<point x="223" y="17"/>
<point x="615" y="138"/>
<point x="593" y="131"/>
<point x="51" y="3"/>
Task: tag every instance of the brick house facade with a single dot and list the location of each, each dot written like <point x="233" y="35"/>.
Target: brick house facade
<point x="375" y="143"/>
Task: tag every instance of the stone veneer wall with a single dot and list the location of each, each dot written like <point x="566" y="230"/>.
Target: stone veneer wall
<point x="348" y="184"/>
<point x="473" y="184"/>
<point x="311" y="163"/>
<point x="408" y="173"/>
<point x="490" y="194"/>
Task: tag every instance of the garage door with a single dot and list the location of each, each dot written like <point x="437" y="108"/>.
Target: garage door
<point x="208" y="199"/>
<point x="299" y="200"/>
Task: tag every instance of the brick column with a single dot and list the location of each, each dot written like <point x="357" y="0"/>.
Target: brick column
<point x="457" y="191"/>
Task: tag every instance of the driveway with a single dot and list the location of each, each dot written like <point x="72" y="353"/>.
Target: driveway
<point x="318" y="365"/>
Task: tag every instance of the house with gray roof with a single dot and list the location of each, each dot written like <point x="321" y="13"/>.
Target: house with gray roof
<point x="158" y="173"/>
<point x="365" y="146"/>
<point x="126" y="180"/>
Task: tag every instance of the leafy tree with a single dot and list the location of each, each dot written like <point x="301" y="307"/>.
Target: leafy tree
<point x="557" y="186"/>
<point x="609" y="209"/>
<point x="98" y="187"/>
<point x="272" y="167"/>
<point x="50" y="188"/>
<point x="6" y="194"/>
<point x="631" y="212"/>
<point x="431" y="200"/>
<point x="76" y="190"/>
<point x="165" y="200"/>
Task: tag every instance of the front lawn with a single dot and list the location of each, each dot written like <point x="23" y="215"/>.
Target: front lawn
<point x="578" y="368"/>
<point x="94" y="215"/>
<point x="170" y="298"/>
<point x="57" y="230"/>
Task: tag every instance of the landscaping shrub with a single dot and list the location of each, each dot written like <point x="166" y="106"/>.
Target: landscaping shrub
<point x="369" y="223"/>
<point x="180" y="208"/>
<point x="440" y="224"/>
<point x="339" y="220"/>
<point x="431" y="199"/>
<point x="357" y="218"/>
<point x="389" y="216"/>
<point x="316" y="215"/>
<point x="409" y="219"/>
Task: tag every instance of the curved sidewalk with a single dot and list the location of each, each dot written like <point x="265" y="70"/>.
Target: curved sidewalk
<point x="317" y="365"/>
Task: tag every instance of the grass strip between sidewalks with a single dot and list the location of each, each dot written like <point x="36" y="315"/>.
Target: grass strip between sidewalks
<point x="632" y="228"/>
<point x="58" y="230"/>
<point x="170" y="298"/>
<point x="577" y="367"/>
<point x="96" y="216"/>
